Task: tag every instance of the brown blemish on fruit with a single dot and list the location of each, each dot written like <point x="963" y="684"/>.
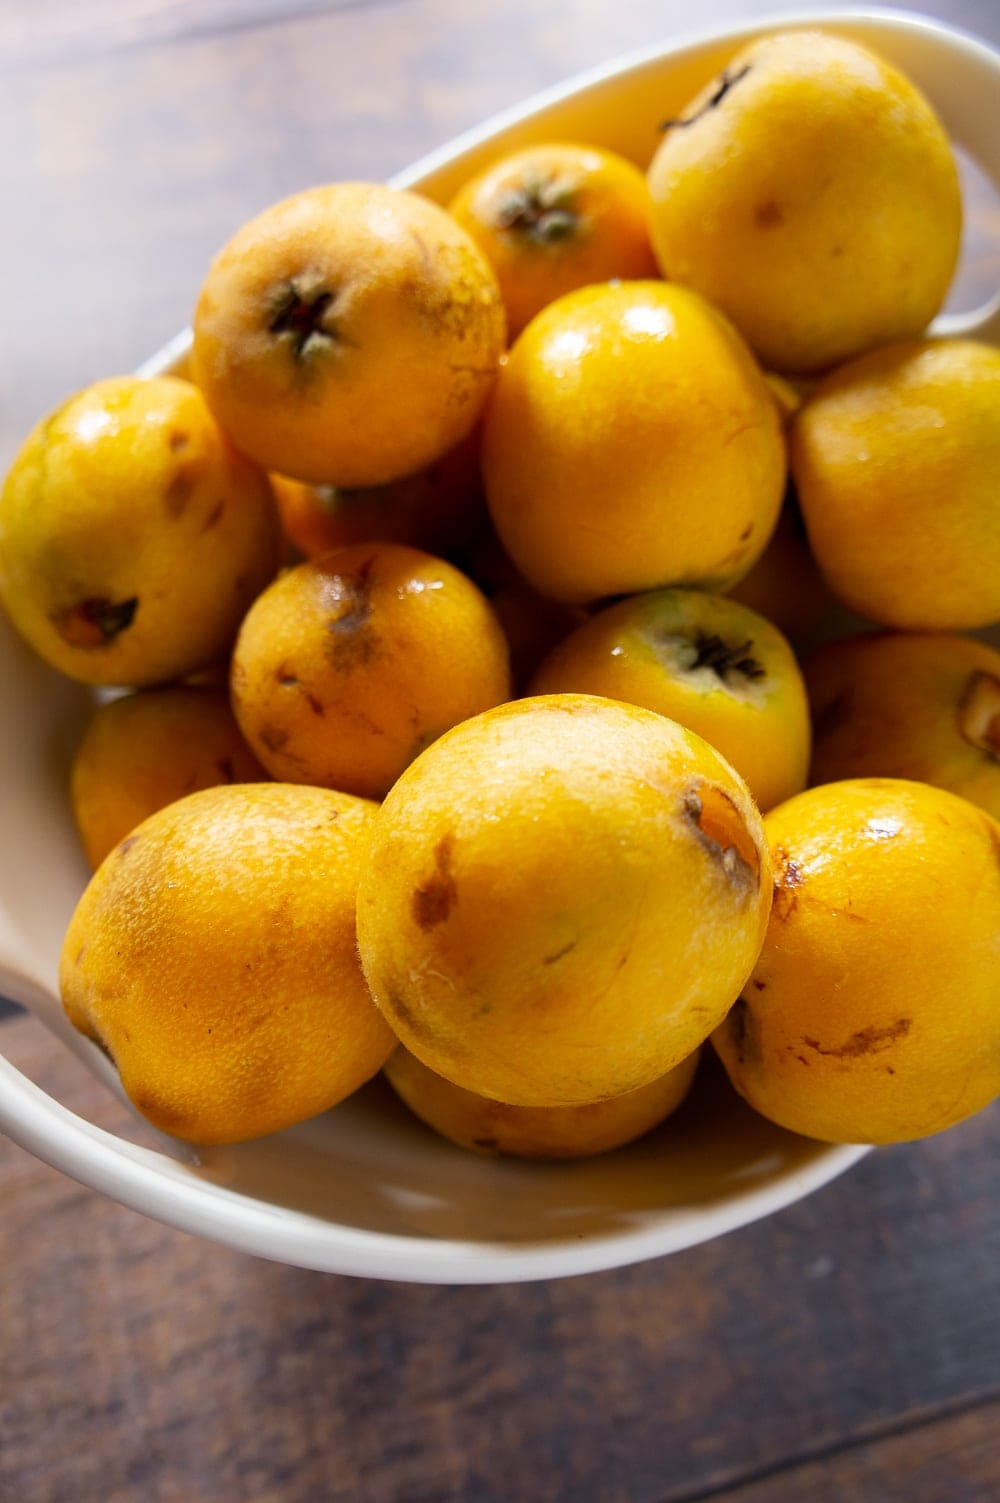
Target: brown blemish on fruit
<point x="788" y="878"/>
<point x="768" y="215"/>
<point x="178" y="493"/>
<point x="865" y="1041"/>
<point x="490" y="1145"/>
<point x="760" y="985"/>
<point x="95" y="622"/>
<point x="979" y="714"/>
<point x="285" y="677"/>
<point x="78" y="957"/>
<point x="178" y="440"/>
<point x="350" y="639"/>
<point x="722" y="833"/>
<point x="316" y="705"/>
<point x="434" y="899"/>
<point x="214" y="516"/>
<point x="124" y="846"/>
<point x="746" y="533"/>
<point x="742" y="1027"/>
<point x="558" y="954"/>
<point x="727" y="82"/>
<point x="273" y="737"/>
<point x="404" y="1012"/>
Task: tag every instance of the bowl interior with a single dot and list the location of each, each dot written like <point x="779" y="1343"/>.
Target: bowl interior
<point x="366" y="1188"/>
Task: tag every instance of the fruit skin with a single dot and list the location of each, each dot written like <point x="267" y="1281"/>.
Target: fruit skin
<point x="350" y="664"/>
<point x="213" y="956"/>
<point x="811" y="193"/>
<point x="556" y="216"/>
<point x="785" y="584"/>
<point x="145" y="750"/>
<point x="871" y="1015"/>
<point x="540" y="1132"/>
<point x="923" y="706"/>
<point x="348" y="335"/>
<point x="542" y="892"/>
<point x="702" y="660"/>
<point x="895" y="458"/>
<point x="632" y="442"/>
<point x="132" y="535"/>
<point x="439" y="509"/>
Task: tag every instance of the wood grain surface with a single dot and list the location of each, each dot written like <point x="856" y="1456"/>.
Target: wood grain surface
<point x="848" y="1349"/>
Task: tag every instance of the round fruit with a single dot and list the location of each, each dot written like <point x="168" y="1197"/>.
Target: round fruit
<point x="921" y="706"/>
<point x="144" y="751"/>
<point x="810" y="193"/>
<point x="348" y="335"/>
<point x="132" y="535"/>
<point x="439" y="509"/>
<point x="535" y="1132"/>
<point x="872" y="1013"/>
<point x="632" y="442"/>
<point x="895" y="458"/>
<point x="350" y="664"/>
<point x="553" y="217"/>
<point x="562" y="898"/>
<point x="706" y="662"/>
<point x="213" y="957"/>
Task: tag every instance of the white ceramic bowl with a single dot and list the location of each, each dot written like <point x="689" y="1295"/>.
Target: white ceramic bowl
<point x="366" y="1189"/>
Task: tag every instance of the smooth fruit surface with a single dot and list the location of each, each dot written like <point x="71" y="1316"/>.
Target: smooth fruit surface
<point x="924" y="706"/>
<point x="557" y="216"/>
<point x="213" y="956"/>
<point x="872" y="1015"/>
<point x="706" y="662"/>
<point x="810" y="192"/>
<point x="348" y="335"/>
<point x="561" y="900"/>
<point x="350" y="664"/>
<point x="144" y="751"/>
<point x="895" y="458"/>
<point x="535" y="1132"/>
<point x="132" y="535"/>
<point x="632" y="442"/>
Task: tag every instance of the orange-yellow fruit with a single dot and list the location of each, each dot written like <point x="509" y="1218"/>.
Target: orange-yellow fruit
<point x="144" y="751"/>
<point x="872" y="1014"/>
<point x="348" y="335"/>
<point x="561" y="900"/>
<point x="785" y="584"/>
<point x="535" y="1132"/>
<point x="350" y="664"/>
<point x="632" y="442"/>
<point x="706" y="662"/>
<point x="132" y="535"/>
<point x="438" y="509"/>
<point x="810" y="192"/>
<point x="895" y="458"/>
<point x="213" y="956"/>
<point x="924" y="706"/>
<point x="556" y="216"/>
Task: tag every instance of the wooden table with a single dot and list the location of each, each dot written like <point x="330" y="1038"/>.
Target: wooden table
<point x="847" y="1349"/>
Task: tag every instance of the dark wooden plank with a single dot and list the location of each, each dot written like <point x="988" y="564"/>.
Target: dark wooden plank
<point x="955" y="1459"/>
<point x="137" y="1362"/>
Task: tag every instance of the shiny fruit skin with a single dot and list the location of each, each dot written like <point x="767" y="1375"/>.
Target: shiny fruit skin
<point x="556" y="216"/>
<point x="542" y="891"/>
<point x="350" y="664"/>
<point x="921" y="705"/>
<point x="632" y="442"/>
<point x="872" y="1013"/>
<point x="348" y="335"/>
<point x="143" y="751"/>
<point x="535" y="1132"/>
<point x="710" y="664"/>
<point x="213" y="956"/>
<point x="811" y="193"/>
<point x="132" y="535"/>
<point x="895" y="458"/>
